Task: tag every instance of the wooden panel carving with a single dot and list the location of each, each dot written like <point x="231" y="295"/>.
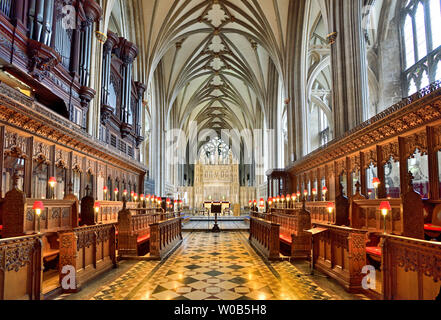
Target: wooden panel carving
<point x="15" y="144"/>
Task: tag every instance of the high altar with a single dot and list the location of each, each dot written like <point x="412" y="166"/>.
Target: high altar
<point x="216" y="179"/>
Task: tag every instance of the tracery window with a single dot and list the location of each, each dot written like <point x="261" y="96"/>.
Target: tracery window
<point x="215" y="148"/>
<point x="421" y="38"/>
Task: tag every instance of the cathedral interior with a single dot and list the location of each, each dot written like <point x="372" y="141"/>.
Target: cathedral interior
<point x="220" y="150"/>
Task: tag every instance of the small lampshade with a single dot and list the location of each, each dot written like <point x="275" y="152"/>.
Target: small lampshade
<point x="105" y="189"/>
<point x="325" y="189"/>
<point x="376" y="181"/>
<point x="52" y="181"/>
<point x="116" y="190"/>
<point x="314" y="191"/>
<point x="330" y="207"/>
<point x="38" y="207"/>
<point x="385" y="205"/>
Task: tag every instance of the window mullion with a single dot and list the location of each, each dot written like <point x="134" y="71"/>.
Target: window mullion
<point x="415" y="38"/>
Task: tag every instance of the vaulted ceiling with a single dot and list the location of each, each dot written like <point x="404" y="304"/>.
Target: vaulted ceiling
<point x="218" y="59"/>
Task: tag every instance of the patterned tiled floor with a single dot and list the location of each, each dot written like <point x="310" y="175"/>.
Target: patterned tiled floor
<point x="223" y="225"/>
<point x="213" y="266"/>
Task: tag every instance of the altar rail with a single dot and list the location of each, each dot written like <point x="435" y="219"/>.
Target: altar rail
<point x="264" y="236"/>
<point x="165" y="236"/>
<point x="89" y="250"/>
<point x="411" y="268"/>
<point x="340" y="252"/>
<point x="20" y="268"/>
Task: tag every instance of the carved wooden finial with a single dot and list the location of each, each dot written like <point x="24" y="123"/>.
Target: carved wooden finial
<point x="15" y="179"/>
<point x="410" y="178"/>
<point x="124" y="203"/>
<point x="340" y="188"/>
<point x="357" y="187"/>
<point x="70" y="187"/>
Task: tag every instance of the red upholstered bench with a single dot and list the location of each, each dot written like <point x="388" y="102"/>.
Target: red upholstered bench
<point x="143" y="239"/>
<point x="374" y="251"/>
<point x="432" y="227"/>
<point x="285" y="238"/>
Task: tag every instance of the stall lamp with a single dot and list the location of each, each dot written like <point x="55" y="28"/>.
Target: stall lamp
<point x="277" y="199"/>
<point x="52" y="182"/>
<point x="105" y="192"/>
<point x="96" y="206"/>
<point x="298" y="196"/>
<point x="288" y="198"/>
<point x="180" y="203"/>
<point x="330" y="208"/>
<point x="294" y="197"/>
<point x="385" y="208"/>
<point x="376" y="182"/>
<point x="38" y="208"/>
<point x="125" y="193"/>
<point x="141" y="197"/>
<point x="283" y="198"/>
<point x="135" y="197"/>
<point x="262" y="203"/>
<point x="168" y="201"/>
<point x="324" y="191"/>
<point x="305" y="193"/>
<point x="270" y="201"/>
<point x="250" y="203"/>
<point x="255" y="203"/>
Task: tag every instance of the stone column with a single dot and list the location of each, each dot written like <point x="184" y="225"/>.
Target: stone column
<point x="348" y="62"/>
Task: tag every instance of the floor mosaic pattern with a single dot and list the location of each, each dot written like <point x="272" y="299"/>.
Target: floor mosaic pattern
<point x="213" y="266"/>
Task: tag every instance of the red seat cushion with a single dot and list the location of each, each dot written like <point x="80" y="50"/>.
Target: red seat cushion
<point x="285" y="238"/>
<point x="432" y="227"/>
<point x="1" y="227"/>
<point x="375" y="251"/>
<point x="143" y="238"/>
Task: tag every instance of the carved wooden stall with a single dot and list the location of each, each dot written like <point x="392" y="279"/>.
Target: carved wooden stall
<point x="20" y="268"/>
<point x="264" y="236"/>
<point x="340" y="252"/>
<point x="293" y="225"/>
<point x="401" y="147"/>
<point x="133" y="232"/>
<point x="165" y="236"/>
<point x="411" y="268"/>
<point x="89" y="250"/>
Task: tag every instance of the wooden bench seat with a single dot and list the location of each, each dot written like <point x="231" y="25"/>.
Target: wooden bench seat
<point x="432" y="227"/>
<point x="286" y="238"/>
<point x="50" y="247"/>
<point x="374" y="251"/>
<point x="143" y="239"/>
